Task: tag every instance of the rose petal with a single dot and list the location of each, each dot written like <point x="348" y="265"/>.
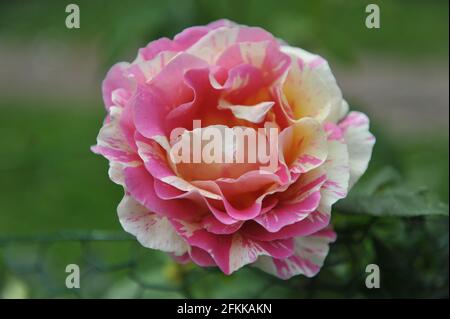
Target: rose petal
<point x="310" y="89"/>
<point x="308" y="258"/>
<point x="140" y="184"/>
<point x="114" y="79"/>
<point x="360" y="143"/>
<point x="287" y="214"/>
<point x="111" y="142"/>
<point x="151" y="230"/>
<point x="162" y="94"/>
<point x="313" y="222"/>
<point x="337" y="168"/>
<point x="231" y="252"/>
<point x="304" y="145"/>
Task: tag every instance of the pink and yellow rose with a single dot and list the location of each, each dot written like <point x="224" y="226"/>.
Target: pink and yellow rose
<point x="231" y="214"/>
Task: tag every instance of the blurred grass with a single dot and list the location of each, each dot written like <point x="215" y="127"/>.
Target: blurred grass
<point x="333" y="28"/>
<point x="50" y="179"/>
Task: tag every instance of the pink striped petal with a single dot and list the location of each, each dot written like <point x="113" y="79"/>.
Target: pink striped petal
<point x="308" y="258"/>
<point x="264" y="56"/>
<point x="213" y="225"/>
<point x="314" y="222"/>
<point x="111" y="142"/>
<point x="231" y="252"/>
<point x="286" y="214"/>
<point x="162" y="94"/>
<point x="337" y="168"/>
<point x="140" y="184"/>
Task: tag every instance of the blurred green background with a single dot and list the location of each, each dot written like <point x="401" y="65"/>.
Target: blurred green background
<point x="57" y="205"/>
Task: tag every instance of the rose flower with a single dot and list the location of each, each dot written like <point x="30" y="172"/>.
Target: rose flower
<point x="229" y="214"/>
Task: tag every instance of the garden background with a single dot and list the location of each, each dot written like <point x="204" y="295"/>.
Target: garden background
<point x="58" y="207"/>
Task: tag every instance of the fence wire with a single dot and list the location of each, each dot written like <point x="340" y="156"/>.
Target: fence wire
<point x="115" y="265"/>
<point x="36" y="272"/>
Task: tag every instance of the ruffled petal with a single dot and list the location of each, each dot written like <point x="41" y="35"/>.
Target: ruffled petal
<point x="360" y="142"/>
<point x="309" y="89"/>
<point x="140" y="184"/>
<point x="166" y="91"/>
<point x="115" y="79"/>
<point x="111" y="142"/>
<point x="312" y="223"/>
<point x="304" y="145"/>
<point x="231" y="252"/>
<point x="337" y="168"/>
<point x="309" y="255"/>
<point x="288" y="213"/>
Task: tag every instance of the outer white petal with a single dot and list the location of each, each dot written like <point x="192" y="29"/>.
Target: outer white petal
<point x="116" y="174"/>
<point x="151" y="230"/>
<point x="360" y="143"/>
<point x="306" y="56"/>
<point x="337" y="113"/>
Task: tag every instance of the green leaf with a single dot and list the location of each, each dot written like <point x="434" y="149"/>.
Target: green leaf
<point x="387" y="194"/>
<point x="394" y="202"/>
<point x="385" y="177"/>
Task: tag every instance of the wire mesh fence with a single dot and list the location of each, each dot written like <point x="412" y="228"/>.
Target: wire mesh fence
<point x="115" y="265"/>
<point x="37" y="263"/>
